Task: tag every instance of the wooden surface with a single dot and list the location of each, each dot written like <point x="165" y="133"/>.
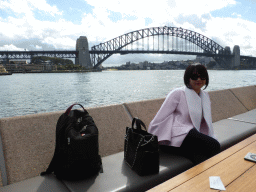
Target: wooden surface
<point x="236" y="173"/>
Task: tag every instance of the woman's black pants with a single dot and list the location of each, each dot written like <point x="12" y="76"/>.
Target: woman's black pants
<point x="196" y="146"/>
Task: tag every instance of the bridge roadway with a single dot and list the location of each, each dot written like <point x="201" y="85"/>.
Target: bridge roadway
<point x="31" y="54"/>
<point x="74" y="54"/>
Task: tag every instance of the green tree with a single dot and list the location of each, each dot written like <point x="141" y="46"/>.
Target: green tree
<point x="54" y="60"/>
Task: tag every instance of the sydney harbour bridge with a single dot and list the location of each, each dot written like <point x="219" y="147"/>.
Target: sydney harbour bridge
<point x="155" y="40"/>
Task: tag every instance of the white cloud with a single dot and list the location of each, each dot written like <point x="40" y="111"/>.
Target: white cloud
<point x="98" y="27"/>
<point x="11" y="47"/>
<point x="234" y="31"/>
<point x="28" y="6"/>
<point x="38" y="47"/>
<point x="60" y="43"/>
<point x="43" y="6"/>
<point x="160" y="10"/>
<point x="238" y="15"/>
<point x="200" y="7"/>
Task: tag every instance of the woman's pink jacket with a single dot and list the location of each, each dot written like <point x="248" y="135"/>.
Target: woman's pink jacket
<point x="182" y="110"/>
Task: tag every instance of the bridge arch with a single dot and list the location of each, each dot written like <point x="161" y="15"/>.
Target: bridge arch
<point x="101" y="52"/>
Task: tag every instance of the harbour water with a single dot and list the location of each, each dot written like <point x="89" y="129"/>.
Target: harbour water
<point x="32" y="93"/>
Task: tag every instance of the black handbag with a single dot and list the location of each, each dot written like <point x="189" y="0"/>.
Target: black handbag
<point x="141" y="151"/>
<point x="76" y="153"/>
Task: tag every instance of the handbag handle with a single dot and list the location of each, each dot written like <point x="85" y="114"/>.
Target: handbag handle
<point x="138" y="123"/>
<point x="69" y="109"/>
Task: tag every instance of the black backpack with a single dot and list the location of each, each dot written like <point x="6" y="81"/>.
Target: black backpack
<point x="76" y="153"/>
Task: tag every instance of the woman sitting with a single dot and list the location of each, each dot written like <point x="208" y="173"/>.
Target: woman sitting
<point x="183" y="124"/>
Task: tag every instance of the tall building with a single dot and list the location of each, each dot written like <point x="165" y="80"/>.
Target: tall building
<point x="83" y="52"/>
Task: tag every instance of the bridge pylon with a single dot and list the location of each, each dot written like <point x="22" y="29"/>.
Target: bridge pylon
<point x="231" y="60"/>
<point x="227" y="61"/>
<point x="236" y="62"/>
<point x="82" y="47"/>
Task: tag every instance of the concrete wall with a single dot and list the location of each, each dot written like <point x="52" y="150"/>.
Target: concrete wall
<point x="29" y="141"/>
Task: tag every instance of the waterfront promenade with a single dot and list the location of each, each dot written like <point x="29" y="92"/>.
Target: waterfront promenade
<point x="22" y="135"/>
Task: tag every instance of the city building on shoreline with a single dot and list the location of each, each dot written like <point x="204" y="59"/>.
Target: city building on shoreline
<point x="167" y="65"/>
<point x="21" y="66"/>
<point x="2" y="69"/>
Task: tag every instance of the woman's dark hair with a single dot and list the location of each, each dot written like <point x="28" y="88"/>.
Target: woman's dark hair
<point x="196" y="68"/>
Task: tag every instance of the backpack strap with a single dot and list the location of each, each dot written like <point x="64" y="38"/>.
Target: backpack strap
<point x="59" y="130"/>
<point x="51" y="166"/>
<point x="69" y="109"/>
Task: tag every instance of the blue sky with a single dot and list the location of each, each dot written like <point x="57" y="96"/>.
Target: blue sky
<point x="56" y="24"/>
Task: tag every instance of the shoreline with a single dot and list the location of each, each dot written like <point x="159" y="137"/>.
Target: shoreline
<point x="62" y="71"/>
<point x="8" y="73"/>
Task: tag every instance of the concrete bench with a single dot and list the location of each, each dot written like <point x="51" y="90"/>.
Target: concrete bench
<point x="28" y="143"/>
<point x="118" y="176"/>
<point x="38" y="183"/>
<point x="231" y="131"/>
